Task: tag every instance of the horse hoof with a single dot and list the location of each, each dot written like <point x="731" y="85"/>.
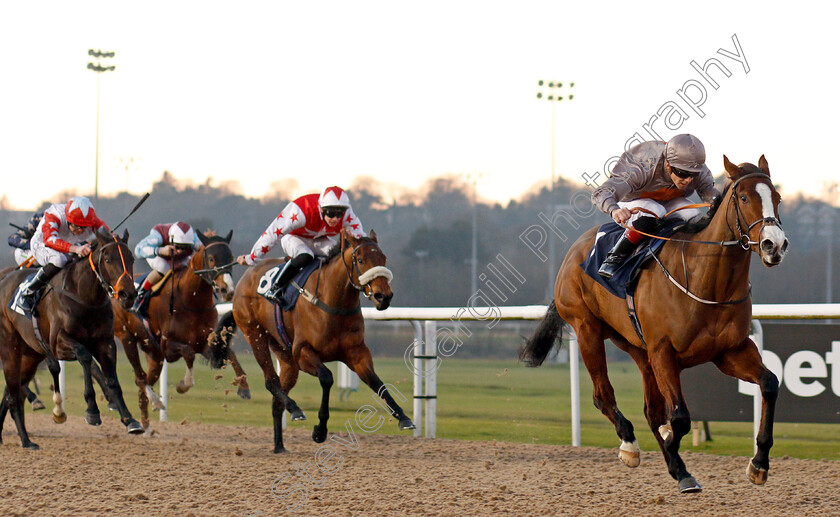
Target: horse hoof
<point x="112" y="406"/>
<point x="60" y="419"/>
<point x="134" y="427"/>
<point x="630" y="454"/>
<point x="689" y="485"/>
<point x="93" y="418"/>
<point x="145" y="423"/>
<point x="281" y="450"/>
<point x="37" y="404"/>
<point x="32" y="446"/>
<point x="406" y="424"/>
<point x="297" y="414"/>
<point x="319" y="434"/>
<point x="757" y="475"/>
<point x="157" y="405"/>
<point x="244" y="393"/>
<point x="180" y="388"/>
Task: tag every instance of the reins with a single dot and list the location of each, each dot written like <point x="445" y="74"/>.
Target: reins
<point x="743" y="240"/>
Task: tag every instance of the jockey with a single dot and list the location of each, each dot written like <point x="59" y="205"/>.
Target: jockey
<point x="306" y="228"/>
<point x="658" y="177"/>
<point x="65" y="229"/>
<point x="20" y="240"/>
<point x="168" y="246"/>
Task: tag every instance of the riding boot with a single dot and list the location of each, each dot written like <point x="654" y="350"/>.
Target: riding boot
<point x="292" y="268"/>
<point x="25" y="302"/>
<point x="145" y="291"/>
<point x="617" y="255"/>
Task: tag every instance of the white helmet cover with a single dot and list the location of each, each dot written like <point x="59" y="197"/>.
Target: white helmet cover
<point x="181" y="233"/>
<point x="334" y="196"/>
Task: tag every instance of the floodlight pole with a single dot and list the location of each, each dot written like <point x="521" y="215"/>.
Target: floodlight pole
<point x="98" y="68"/>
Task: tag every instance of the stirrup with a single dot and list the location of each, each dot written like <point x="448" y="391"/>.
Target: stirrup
<point x="139" y="301"/>
<point x="610" y="265"/>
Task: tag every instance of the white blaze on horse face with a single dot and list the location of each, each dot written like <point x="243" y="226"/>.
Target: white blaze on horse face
<point x="772" y="233"/>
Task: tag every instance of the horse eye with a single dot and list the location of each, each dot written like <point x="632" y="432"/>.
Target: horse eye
<point x="107" y="261"/>
<point x="743" y="198"/>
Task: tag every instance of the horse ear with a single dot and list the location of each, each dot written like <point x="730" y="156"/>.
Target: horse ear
<point x="732" y="170"/>
<point x="125" y="236"/>
<point x="229" y="237"/>
<point x="201" y="237"/>
<point x="762" y="164"/>
<point x="102" y="234"/>
<point x="372" y="236"/>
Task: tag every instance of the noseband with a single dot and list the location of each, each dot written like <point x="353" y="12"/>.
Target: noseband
<point x="744" y="237"/>
<point x="366" y="277"/>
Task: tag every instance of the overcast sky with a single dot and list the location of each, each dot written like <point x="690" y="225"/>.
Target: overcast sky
<point x="323" y="92"/>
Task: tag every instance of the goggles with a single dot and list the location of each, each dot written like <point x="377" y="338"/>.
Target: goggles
<point x="681" y="173"/>
<point x="334" y="211"/>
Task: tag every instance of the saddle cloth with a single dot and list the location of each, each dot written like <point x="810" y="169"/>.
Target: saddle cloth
<point x="623" y="282"/>
<point x="289" y="296"/>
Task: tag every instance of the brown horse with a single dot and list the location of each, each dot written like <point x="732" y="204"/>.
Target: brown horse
<point x="704" y="317"/>
<point x="182" y="317"/>
<point x="74" y="321"/>
<point x="326" y="326"/>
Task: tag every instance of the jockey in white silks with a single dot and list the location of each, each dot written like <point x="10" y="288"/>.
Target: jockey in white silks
<point x="168" y="246"/>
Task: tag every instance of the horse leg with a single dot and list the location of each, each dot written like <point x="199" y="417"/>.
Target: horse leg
<point x="58" y="414"/>
<point x="665" y="366"/>
<point x="13" y="400"/>
<point x="106" y="356"/>
<point x="309" y="362"/>
<point x="188" y="354"/>
<point x="241" y="379"/>
<point x="85" y="359"/>
<point x="360" y="361"/>
<point x="655" y="411"/>
<point x="590" y="336"/>
<point x="99" y="377"/>
<point x="260" y="342"/>
<point x="155" y="367"/>
<point x="744" y="362"/>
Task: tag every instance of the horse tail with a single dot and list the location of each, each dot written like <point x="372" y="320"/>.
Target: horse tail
<point x="534" y="351"/>
<point x="220" y="342"/>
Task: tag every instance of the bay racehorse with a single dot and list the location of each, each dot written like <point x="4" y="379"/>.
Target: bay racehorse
<point x="74" y="321"/>
<point x="699" y="312"/>
<point x="327" y="325"/>
<point x="181" y="321"/>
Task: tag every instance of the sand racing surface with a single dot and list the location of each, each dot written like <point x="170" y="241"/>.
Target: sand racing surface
<point x="193" y="469"/>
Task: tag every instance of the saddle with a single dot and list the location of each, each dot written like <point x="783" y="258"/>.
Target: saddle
<point x="624" y="281"/>
<point x="289" y="296"/>
<point x="138" y="281"/>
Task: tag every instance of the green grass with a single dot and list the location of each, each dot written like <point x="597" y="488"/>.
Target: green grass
<point x="477" y="400"/>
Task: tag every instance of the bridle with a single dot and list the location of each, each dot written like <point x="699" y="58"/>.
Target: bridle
<point x="366" y="277"/>
<point x="744" y="237"/>
<point x="209" y="275"/>
<point x="113" y="292"/>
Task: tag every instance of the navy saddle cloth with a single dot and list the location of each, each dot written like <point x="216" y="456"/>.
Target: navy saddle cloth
<point x="624" y="279"/>
<point x="289" y="297"/>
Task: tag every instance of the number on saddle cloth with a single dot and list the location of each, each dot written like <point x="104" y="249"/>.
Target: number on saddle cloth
<point x="288" y="298"/>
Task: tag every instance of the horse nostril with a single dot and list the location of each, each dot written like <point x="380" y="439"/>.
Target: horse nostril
<point x="378" y="296"/>
<point x="785" y="246"/>
<point x="767" y="245"/>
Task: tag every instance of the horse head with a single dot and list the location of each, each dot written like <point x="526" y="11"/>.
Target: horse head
<point x="218" y="263"/>
<point x="756" y="203"/>
<point x="113" y="263"/>
<point x="365" y="264"/>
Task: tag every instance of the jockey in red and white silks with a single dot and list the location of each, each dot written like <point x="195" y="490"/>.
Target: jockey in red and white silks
<point x="168" y="246"/>
<point x="306" y="228"/>
<point x="64" y="229"/>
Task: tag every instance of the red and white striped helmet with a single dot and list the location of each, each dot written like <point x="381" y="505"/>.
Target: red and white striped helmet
<point x="181" y="233"/>
<point x="334" y="196"/>
<point x="79" y="211"/>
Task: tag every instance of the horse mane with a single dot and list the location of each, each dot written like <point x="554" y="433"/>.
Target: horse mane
<point x="336" y="249"/>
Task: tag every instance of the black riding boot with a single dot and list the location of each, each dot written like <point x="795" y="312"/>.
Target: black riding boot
<point x="25" y="303"/>
<point x="622" y="249"/>
<point x="289" y="271"/>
